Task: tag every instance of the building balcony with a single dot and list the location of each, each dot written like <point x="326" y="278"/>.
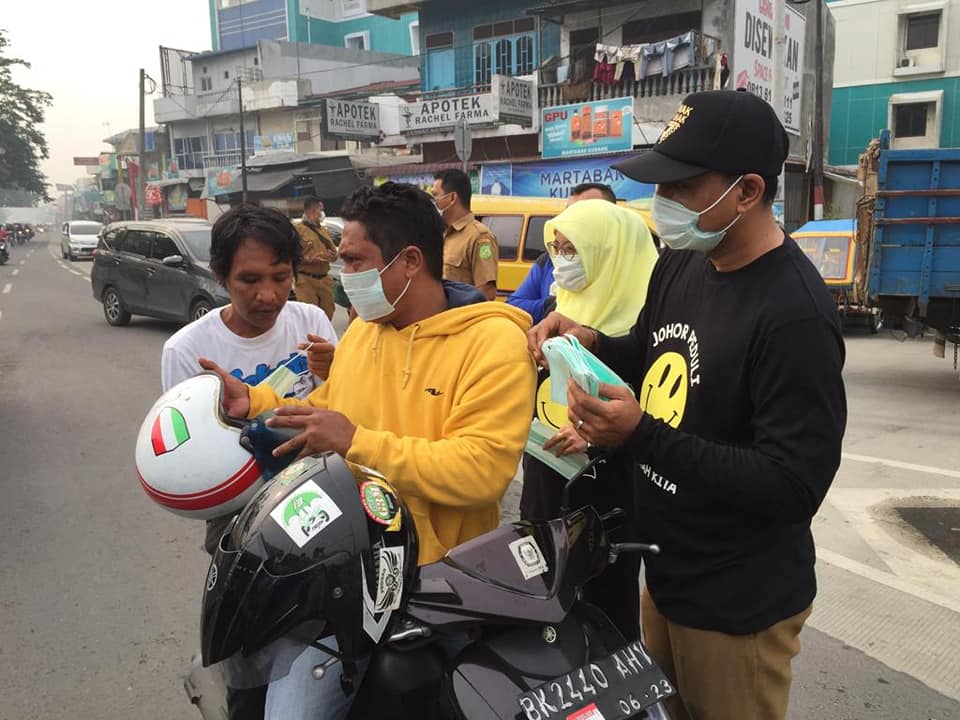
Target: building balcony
<point x="222" y="160"/>
<point x="393" y="8"/>
<point x="677" y="84"/>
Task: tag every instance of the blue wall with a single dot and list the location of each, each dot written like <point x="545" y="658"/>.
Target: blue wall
<point x="386" y="35"/>
<point x="859" y="113"/>
<point x="243" y="25"/>
<point x="462" y="17"/>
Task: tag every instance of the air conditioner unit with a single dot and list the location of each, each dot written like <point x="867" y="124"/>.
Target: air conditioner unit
<point x="907" y="62"/>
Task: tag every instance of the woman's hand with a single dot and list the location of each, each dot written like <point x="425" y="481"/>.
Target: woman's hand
<point x="566" y="442"/>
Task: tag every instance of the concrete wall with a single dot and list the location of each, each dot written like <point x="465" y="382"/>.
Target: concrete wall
<point x="866" y="73"/>
<point x="461" y="16"/>
<point x="329" y="69"/>
<point x="216" y="66"/>
<point x="870" y="46"/>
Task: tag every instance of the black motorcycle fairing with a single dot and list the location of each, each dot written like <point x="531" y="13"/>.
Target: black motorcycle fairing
<point x="490" y="675"/>
<point x="482" y="581"/>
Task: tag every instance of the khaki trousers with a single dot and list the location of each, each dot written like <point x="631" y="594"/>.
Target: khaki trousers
<point x="316" y="291"/>
<point x="724" y="677"/>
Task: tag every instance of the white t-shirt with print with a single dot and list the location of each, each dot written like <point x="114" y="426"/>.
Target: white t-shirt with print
<point x="250" y="359"/>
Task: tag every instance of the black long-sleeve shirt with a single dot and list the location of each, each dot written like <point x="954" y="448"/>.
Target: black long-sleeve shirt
<point x="739" y="374"/>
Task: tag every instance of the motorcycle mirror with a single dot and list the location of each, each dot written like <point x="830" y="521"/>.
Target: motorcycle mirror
<point x="598" y="459"/>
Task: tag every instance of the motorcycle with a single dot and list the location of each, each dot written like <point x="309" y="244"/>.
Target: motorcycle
<point x="4" y="253"/>
<point x="535" y="651"/>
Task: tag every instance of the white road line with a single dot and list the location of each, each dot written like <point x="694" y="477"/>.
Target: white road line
<point x="7" y="288"/>
<point x="74" y="272"/>
<point x="891" y="581"/>
<point x="902" y="465"/>
<point x="23" y="262"/>
<point x="16" y="271"/>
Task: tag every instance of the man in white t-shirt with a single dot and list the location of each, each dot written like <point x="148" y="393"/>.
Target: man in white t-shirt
<point x="254" y="254"/>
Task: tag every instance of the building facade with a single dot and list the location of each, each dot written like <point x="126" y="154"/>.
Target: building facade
<point x="238" y="24"/>
<point x="897" y="67"/>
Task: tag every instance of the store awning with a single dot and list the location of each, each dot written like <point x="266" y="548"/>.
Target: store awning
<point x="168" y="182"/>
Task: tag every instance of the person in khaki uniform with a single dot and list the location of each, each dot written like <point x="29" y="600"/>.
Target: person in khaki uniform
<point x="470" y="250"/>
<point x="314" y="284"/>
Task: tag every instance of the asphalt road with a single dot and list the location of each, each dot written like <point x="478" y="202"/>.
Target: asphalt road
<point x="99" y="589"/>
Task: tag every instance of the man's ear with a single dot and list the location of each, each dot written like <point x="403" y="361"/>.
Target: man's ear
<point x="413" y="259"/>
<point x="750" y="189"/>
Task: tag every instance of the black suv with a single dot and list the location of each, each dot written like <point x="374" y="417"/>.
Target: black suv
<point x="158" y="268"/>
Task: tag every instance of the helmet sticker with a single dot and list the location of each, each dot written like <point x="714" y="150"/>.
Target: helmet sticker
<point x="212" y="576"/>
<point x="528" y="557"/>
<point x="305" y="513"/>
<point x="169" y="431"/>
<point x="378" y="503"/>
<point x="389" y="579"/>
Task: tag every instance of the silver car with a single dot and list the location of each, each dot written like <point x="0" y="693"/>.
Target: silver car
<point x="79" y="239"/>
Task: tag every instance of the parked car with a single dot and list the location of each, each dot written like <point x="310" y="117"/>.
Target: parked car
<point x="79" y="239"/>
<point x="159" y="268"/>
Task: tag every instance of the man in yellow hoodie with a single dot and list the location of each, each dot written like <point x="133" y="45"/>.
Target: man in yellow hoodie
<point x="430" y="386"/>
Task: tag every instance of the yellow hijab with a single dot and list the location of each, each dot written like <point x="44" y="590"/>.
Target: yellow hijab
<point x="618" y="256"/>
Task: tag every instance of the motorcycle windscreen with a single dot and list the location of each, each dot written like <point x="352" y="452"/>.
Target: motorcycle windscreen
<point x="536" y="558"/>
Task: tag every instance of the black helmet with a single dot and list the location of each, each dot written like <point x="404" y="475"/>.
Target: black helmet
<point x="322" y="544"/>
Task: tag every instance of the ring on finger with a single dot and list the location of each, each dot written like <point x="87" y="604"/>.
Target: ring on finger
<point x="579" y="424"/>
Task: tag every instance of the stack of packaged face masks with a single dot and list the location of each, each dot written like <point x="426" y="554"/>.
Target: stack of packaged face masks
<point x="569" y="359"/>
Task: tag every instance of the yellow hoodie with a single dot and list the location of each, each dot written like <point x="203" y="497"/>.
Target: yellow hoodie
<point x="442" y="409"/>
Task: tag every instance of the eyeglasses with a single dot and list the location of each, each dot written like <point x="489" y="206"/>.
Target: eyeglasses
<point x="567" y="252"/>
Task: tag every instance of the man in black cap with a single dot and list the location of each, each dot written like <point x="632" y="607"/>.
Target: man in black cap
<point x="736" y="427"/>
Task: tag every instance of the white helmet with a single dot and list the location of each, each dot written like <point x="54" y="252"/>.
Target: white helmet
<point x="189" y="458"/>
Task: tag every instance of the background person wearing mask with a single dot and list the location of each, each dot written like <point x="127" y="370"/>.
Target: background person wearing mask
<point x="470" y="251"/>
<point x="737" y="358"/>
<point x="537" y="292"/>
<point x="431" y="386"/>
<point x="314" y="284"/>
<point x="603" y="256"/>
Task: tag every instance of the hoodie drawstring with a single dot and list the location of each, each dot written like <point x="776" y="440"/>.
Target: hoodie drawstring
<point x="408" y="365"/>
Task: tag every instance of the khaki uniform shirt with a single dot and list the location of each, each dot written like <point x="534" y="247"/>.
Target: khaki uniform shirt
<point x="314" y="238"/>
<point x="470" y="252"/>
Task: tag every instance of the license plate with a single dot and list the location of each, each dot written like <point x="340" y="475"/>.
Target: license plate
<point x="615" y="687"/>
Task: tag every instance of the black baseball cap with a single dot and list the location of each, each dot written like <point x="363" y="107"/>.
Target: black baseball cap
<point x="728" y="131"/>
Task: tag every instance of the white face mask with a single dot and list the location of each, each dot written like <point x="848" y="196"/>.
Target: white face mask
<point x="569" y="274"/>
<point x="365" y="292"/>
<point x="677" y="225"/>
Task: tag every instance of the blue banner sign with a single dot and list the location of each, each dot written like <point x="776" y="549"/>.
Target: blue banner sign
<point x="555" y="179"/>
<point x="590" y="128"/>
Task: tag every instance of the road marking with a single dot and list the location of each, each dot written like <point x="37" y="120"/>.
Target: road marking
<point x="902" y="465"/>
<point x="75" y="272"/>
<point x="23" y="262"/>
<point x="909" y="555"/>
<point x="16" y="271"/>
<point x="7" y="288"/>
<point x="891" y="581"/>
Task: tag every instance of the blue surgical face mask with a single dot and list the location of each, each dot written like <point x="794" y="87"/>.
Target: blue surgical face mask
<point x="677" y="225"/>
<point x="365" y="292"/>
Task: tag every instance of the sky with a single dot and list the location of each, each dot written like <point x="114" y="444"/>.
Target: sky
<point x="88" y="55"/>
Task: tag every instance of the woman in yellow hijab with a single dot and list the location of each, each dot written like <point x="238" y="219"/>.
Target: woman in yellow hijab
<point x="603" y="255"/>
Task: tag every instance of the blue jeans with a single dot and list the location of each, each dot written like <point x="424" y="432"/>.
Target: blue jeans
<point x="300" y="696"/>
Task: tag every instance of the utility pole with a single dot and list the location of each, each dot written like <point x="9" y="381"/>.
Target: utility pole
<point x="243" y="141"/>
<point x="141" y="200"/>
<point x="816" y="164"/>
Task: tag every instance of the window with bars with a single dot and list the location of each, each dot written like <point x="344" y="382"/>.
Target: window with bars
<point x="910" y="120"/>
<point x="189" y="152"/>
<point x="505" y="48"/>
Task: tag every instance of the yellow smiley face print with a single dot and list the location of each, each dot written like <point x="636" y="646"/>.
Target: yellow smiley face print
<point x="548" y="412"/>
<point x="664" y="392"/>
